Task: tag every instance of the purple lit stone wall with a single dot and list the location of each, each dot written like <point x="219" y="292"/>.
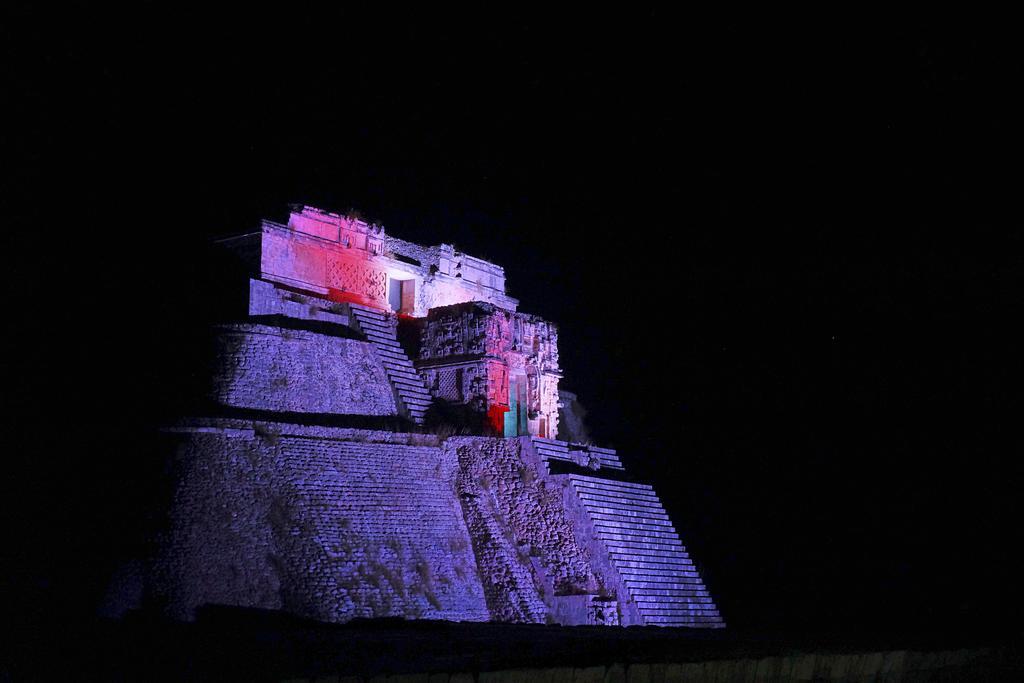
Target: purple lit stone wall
<point x="324" y="523"/>
<point x="524" y="536"/>
<point x="279" y="369"/>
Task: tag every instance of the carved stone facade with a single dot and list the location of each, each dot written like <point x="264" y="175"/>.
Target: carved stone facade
<point x="501" y="363"/>
<point x="346" y="259"/>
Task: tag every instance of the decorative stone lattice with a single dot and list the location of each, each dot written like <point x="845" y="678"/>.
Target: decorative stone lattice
<point x="360" y="278"/>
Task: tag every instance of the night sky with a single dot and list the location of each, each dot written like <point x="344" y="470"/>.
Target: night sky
<point x="786" y="264"/>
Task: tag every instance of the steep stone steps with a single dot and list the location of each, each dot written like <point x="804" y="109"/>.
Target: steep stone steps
<point x="652" y="563"/>
<point x="380" y="329"/>
<point x="553" y="449"/>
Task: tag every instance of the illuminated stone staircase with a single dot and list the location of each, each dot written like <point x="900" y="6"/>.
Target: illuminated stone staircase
<point x="380" y="329"/>
<point x="552" y="449"/>
<point x="646" y="551"/>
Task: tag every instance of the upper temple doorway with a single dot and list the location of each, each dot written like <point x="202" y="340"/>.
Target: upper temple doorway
<point x="402" y="295"/>
<point x="516" y="418"/>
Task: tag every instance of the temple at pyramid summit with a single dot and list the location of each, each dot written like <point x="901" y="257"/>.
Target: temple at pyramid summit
<point x="386" y="437"/>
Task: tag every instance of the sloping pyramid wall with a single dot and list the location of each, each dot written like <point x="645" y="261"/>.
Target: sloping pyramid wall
<point x="325" y="523"/>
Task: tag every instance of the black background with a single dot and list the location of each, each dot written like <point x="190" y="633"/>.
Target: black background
<point x="785" y="258"/>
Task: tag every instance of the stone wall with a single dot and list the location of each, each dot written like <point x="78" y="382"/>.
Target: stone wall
<point x="523" y="534"/>
<point x="287" y="370"/>
<point x="345" y="259"/>
<point x="266" y="299"/>
<point x="469" y="352"/>
<point x="326" y="524"/>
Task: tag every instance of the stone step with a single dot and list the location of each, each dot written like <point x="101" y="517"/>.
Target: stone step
<point x="414" y="384"/>
<point x="681" y="616"/>
<point x="619" y="535"/>
<point x="379" y="331"/>
<point x="372" y="330"/>
<point x="369" y="311"/>
<point x="609" y="491"/>
<point x="640" y="551"/>
<point x="684" y="621"/>
<point x="403" y="362"/>
<point x="419" y="398"/>
<point x="368" y="325"/>
<point x="626" y="544"/>
<point x="544" y="439"/>
<point x="662" y="581"/>
<point x="625" y="485"/>
<point x="392" y="354"/>
<point x="682" y="613"/>
<point x="385" y="343"/>
<point x="653" y="518"/>
<point x="382" y="328"/>
<point x="411" y="401"/>
<point x="408" y="374"/>
<point x="641" y="565"/>
<point x="409" y="378"/>
<point x="638" y="526"/>
<point x="403" y="380"/>
<point x="646" y="531"/>
<point x="687" y="571"/>
<point x="629" y="503"/>
<point x="652" y="593"/>
<point x="595" y="502"/>
<point x="405" y="373"/>
<point x="653" y="555"/>
<point x="623" y="512"/>
<point x="648" y="499"/>
<point x="658" y="575"/>
<point x="382" y="321"/>
<point x="654" y="602"/>
<point x="634" y="586"/>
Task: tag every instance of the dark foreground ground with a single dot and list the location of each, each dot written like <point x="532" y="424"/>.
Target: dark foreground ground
<point x="233" y="644"/>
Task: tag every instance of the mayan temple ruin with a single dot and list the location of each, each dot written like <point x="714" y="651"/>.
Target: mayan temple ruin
<point x="387" y="438"/>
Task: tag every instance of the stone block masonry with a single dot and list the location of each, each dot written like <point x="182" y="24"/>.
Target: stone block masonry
<point x="326" y="524"/>
<point x="286" y="370"/>
<point x="525" y="544"/>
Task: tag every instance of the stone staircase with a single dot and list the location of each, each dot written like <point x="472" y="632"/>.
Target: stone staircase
<point x="552" y="449"/>
<point x="647" y="552"/>
<point x="380" y="328"/>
